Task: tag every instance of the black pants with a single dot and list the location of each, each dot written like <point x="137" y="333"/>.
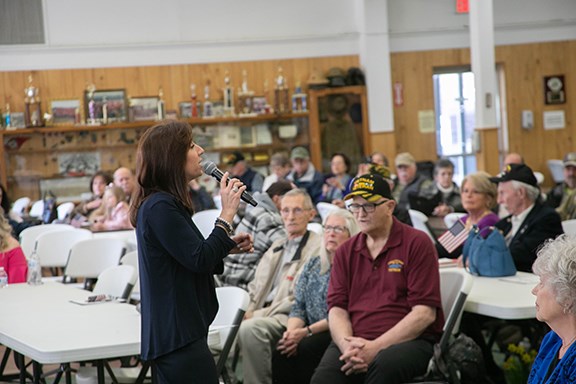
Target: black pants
<point x="191" y="364"/>
<point x="397" y="364"/>
<point x="299" y="369"/>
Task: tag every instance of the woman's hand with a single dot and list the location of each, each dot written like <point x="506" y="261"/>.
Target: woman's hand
<point x="230" y="191"/>
<point x="244" y="243"/>
<point x="288" y="344"/>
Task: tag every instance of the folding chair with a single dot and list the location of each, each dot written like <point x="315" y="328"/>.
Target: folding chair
<point x="324" y="209"/>
<point x="53" y="247"/>
<point x="204" y="220"/>
<point x="116" y="281"/>
<point x="29" y="235"/>
<point x="233" y="302"/>
<point x="20" y="205"/>
<point x="131" y="258"/>
<point x="420" y="222"/>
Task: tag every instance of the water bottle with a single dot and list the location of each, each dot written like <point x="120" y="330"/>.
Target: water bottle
<point x="3" y="278"/>
<point x="34" y="270"/>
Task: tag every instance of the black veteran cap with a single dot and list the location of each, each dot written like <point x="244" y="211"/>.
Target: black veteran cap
<point x="371" y="187"/>
<point x="518" y="172"/>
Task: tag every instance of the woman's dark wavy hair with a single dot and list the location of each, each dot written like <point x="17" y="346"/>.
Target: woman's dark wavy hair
<point x="5" y="203"/>
<point x="160" y="163"/>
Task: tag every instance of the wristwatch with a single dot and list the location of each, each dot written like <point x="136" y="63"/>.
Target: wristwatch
<point x="309" y="331"/>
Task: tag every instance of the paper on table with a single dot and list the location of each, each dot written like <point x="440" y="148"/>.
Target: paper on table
<point x="98" y="299"/>
<point x="445" y="262"/>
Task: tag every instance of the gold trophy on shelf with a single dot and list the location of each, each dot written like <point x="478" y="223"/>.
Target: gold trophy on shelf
<point x="299" y="99"/>
<point x="33" y="111"/>
<point x="281" y="98"/>
<point x="194" y="101"/>
<point x="245" y="96"/>
<point x="161" y="113"/>
<point x="228" y="92"/>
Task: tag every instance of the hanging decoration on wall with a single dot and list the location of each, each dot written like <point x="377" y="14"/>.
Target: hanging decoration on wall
<point x="398" y="94"/>
<point x="554" y="90"/>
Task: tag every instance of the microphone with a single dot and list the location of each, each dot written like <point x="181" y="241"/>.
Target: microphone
<point x="211" y="169"/>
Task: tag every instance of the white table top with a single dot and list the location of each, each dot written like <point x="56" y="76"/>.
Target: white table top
<point x="508" y="298"/>
<point x="40" y="322"/>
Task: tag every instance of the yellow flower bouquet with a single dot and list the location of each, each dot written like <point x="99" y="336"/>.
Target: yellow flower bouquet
<point x="519" y="362"/>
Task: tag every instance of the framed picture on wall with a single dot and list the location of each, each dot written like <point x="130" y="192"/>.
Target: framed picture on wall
<point x="144" y="108"/>
<point x="116" y="105"/>
<point x="65" y="112"/>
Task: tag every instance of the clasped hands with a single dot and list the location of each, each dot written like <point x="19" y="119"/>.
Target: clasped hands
<point x="288" y="344"/>
<point x="357" y="354"/>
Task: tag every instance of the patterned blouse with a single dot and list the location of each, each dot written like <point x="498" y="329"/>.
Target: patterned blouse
<point x="310" y="293"/>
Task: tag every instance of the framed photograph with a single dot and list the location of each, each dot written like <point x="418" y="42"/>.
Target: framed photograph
<point x="115" y="99"/>
<point x="144" y="108"/>
<point x="65" y="112"/>
<point x="17" y="120"/>
<point x="185" y="108"/>
<point x="259" y="105"/>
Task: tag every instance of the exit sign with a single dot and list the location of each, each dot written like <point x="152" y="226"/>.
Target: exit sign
<point x="461" y="6"/>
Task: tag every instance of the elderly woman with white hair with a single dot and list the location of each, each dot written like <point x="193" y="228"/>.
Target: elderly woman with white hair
<point x="307" y="334"/>
<point x="556" y="306"/>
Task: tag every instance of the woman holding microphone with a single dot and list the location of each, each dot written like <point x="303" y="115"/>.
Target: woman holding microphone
<point x="176" y="263"/>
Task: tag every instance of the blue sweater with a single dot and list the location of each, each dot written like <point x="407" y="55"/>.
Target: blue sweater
<point x="565" y="371"/>
<point x="176" y="266"/>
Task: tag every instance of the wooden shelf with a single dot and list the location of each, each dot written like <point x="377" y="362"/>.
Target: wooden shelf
<point x="146" y="124"/>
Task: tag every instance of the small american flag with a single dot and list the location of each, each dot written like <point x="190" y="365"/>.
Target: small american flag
<point x="454" y="237"/>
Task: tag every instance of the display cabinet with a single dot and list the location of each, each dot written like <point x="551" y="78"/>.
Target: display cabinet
<point x="339" y="123"/>
<point x="34" y="154"/>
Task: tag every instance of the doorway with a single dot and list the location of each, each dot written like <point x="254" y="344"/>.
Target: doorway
<point x="454" y="98"/>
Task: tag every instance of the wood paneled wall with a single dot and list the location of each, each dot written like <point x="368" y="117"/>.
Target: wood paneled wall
<point x="524" y="67"/>
<point x="174" y="79"/>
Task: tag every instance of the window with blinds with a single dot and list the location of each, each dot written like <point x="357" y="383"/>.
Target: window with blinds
<point x="21" y="22"/>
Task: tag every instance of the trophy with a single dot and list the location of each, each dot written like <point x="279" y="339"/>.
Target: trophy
<point x="161" y="114"/>
<point x="7" y="117"/>
<point x="245" y="97"/>
<point x="91" y="120"/>
<point x="228" y="96"/>
<point x="195" y="103"/>
<point x="299" y="99"/>
<point x="281" y="103"/>
<point x="33" y="111"/>
<point x="104" y="111"/>
<point x="208" y="112"/>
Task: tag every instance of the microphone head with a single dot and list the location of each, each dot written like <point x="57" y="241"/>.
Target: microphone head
<point x="208" y="167"/>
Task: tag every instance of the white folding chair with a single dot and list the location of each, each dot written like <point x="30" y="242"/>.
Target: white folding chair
<point x="556" y="168"/>
<point x="37" y="209"/>
<point x="88" y="258"/>
<point x="539" y="177"/>
<point x="64" y="210"/>
<point x="569" y="227"/>
<point x="325" y="208"/>
<point x="451" y="218"/>
<point x="455" y="285"/>
<point x="53" y="247"/>
<point x="233" y="303"/>
<point x="20" y="205"/>
<point x="204" y="220"/>
<point x="117" y="281"/>
<point x="315" y="227"/>
<point x="131" y="258"/>
<point x="29" y="235"/>
<point x="419" y="221"/>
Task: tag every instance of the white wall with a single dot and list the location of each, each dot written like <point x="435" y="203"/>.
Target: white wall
<point x="109" y="33"/>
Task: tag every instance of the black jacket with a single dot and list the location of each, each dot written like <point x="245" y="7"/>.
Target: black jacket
<point x="542" y="223"/>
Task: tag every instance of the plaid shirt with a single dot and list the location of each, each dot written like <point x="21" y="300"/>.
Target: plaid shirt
<point x="265" y="225"/>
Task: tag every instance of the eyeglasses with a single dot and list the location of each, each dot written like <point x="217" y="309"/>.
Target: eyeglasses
<point x="336" y="229"/>
<point x="368" y="208"/>
<point x="295" y="211"/>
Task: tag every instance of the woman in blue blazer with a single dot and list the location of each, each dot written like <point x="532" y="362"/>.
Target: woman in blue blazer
<point x="176" y="263"/>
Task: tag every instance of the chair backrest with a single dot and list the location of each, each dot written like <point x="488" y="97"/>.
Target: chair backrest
<point x="37" y="209"/>
<point x="131" y="258"/>
<point x="116" y="281"/>
<point x="89" y="258"/>
<point x="455" y="285"/>
<point x="64" y="210"/>
<point x="325" y="208"/>
<point x="53" y="247"/>
<point x="556" y="167"/>
<point x="233" y="303"/>
<point x="204" y="220"/>
<point x="20" y="205"/>
<point x="316" y="227"/>
<point x="419" y="221"/>
<point x="569" y="227"/>
<point x="451" y="218"/>
<point x="29" y="235"/>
